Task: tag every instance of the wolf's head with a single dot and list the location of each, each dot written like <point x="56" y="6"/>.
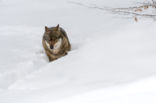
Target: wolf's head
<point x="52" y="35"/>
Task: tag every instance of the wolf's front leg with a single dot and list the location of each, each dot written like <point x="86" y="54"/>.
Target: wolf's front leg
<point x="49" y="56"/>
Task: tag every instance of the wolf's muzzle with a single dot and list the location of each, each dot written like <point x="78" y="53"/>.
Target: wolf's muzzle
<point x="51" y="46"/>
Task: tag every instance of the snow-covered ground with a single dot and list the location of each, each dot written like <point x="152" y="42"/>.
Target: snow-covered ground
<point x="113" y="59"/>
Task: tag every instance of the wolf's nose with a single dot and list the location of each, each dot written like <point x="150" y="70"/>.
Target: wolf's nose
<point x="51" y="47"/>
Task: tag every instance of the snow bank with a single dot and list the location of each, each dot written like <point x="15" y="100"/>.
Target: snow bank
<point x="141" y="91"/>
<point x="108" y="54"/>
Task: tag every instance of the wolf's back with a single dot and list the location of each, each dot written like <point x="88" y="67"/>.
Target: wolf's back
<point x="66" y="37"/>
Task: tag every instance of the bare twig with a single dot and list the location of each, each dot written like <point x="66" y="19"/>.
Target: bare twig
<point x="131" y="11"/>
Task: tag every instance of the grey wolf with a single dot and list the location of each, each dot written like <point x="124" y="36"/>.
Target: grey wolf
<point x="55" y="42"/>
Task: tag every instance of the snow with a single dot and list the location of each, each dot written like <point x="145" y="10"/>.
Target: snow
<point x="134" y="92"/>
<point x="112" y="58"/>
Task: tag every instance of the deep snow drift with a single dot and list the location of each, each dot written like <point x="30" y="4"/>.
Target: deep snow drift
<point x="112" y="58"/>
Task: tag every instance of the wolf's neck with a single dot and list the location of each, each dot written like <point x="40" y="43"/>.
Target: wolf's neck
<point x="58" y="44"/>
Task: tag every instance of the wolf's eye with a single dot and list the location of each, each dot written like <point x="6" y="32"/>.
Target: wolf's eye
<point x="53" y="39"/>
<point x="47" y="38"/>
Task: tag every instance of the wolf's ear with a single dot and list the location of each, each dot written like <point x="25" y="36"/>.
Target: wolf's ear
<point x="57" y="27"/>
<point x="46" y="28"/>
